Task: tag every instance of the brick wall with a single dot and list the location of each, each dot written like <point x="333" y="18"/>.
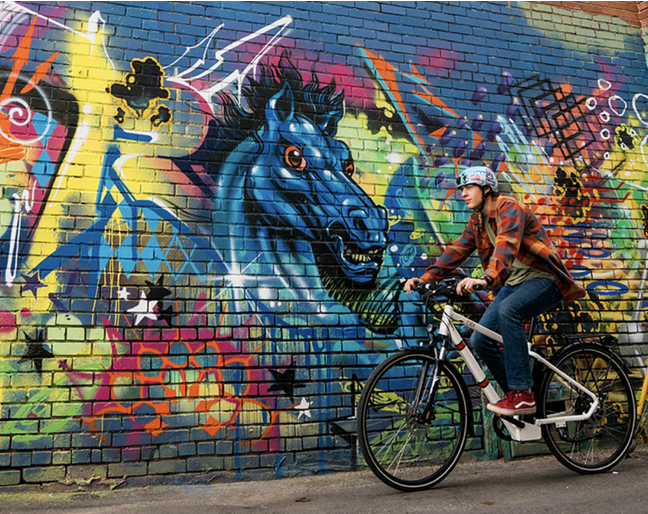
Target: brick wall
<point x="206" y="210"/>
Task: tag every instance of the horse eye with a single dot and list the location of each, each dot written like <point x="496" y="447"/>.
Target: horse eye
<point x="348" y="167"/>
<point x="293" y="158"/>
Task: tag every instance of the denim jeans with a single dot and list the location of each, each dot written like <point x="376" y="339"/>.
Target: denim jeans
<point x="513" y="305"/>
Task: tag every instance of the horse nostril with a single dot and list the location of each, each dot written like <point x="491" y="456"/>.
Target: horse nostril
<point x="359" y="224"/>
<point x="366" y="226"/>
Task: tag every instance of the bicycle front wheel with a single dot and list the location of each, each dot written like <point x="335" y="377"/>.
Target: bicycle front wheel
<point x="597" y="444"/>
<point x="406" y="446"/>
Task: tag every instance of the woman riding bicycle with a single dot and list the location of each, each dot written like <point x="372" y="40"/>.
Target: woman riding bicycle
<point x="516" y="252"/>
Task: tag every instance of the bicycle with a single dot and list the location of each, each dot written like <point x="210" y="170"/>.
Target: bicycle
<point x="415" y="412"/>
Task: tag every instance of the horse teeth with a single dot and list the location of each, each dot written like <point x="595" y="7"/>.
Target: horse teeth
<point x="359" y="257"/>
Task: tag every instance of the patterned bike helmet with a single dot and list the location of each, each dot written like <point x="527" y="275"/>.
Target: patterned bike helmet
<point x="479" y="175"/>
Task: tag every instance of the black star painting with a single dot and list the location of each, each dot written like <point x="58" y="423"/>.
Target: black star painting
<point x="32" y="284"/>
<point x="157" y="291"/>
<point x="285" y="381"/>
<point x="36" y="352"/>
<point x="165" y="314"/>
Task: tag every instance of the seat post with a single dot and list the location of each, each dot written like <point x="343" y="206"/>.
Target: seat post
<point x="532" y="323"/>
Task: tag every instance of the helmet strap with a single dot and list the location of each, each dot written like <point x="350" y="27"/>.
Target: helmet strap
<point x="485" y="195"/>
<point x="480" y="207"/>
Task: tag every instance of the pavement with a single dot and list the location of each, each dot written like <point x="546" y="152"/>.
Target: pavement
<point x="531" y="485"/>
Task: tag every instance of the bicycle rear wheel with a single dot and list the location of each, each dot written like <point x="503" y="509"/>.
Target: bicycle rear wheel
<point x="404" y="450"/>
<point x="601" y="442"/>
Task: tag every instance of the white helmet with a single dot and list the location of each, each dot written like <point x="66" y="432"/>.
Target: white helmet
<point x="479" y="175"/>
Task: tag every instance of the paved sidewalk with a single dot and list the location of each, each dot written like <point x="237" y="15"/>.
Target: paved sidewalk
<point x="535" y="485"/>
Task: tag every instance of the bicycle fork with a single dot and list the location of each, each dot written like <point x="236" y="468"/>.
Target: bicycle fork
<point x="422" y="386"/>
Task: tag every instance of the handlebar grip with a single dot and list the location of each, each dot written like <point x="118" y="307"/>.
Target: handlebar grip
<point x="422" y="288"/>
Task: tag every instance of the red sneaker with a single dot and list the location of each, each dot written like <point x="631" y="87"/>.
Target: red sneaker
<point x="515" y="403"/>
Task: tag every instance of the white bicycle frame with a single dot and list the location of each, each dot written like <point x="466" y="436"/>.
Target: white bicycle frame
<point x="531" y="431"/>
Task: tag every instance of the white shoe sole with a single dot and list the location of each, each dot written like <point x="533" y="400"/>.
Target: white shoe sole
<point x="509" y="412"/>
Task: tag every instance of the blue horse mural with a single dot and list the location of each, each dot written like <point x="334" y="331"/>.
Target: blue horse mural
<point x="290" y="223"/>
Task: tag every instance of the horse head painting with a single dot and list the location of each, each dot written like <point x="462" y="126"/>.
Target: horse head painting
<point x="288" y="214"/>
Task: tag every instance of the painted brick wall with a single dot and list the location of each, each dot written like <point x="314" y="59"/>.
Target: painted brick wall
<point x="206" y="209"/>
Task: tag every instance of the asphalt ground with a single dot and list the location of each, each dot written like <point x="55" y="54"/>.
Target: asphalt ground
<point x="532" y="485"/>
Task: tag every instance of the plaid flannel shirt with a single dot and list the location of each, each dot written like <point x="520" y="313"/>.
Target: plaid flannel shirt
<point x="519" y="235"/>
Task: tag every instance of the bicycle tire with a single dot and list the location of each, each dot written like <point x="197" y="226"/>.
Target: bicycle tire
<point x="598" y="444"/>
<point x="403" y="451"/>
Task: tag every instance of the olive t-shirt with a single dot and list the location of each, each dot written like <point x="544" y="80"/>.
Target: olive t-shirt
<point x="520" y="272"/>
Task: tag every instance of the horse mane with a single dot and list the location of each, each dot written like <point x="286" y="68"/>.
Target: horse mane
<point x="311" y="100"/>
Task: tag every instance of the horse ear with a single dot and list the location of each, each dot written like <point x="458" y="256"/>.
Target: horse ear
<point x="281" y="107"/>
<point x="328" y="123"/>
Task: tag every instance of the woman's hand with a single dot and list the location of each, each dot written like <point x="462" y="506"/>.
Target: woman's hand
<point x="468" y="284"/>
<point x="411" y="284"/>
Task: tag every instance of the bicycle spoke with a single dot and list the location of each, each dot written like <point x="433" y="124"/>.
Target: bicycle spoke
<point x="399" y="456"/>
<point x="389" y="445"/>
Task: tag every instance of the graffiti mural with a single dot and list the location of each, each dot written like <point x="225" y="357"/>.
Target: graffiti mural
<point x="203" y="240"/>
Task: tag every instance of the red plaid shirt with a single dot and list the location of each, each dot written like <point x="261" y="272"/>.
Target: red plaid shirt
<point x="519" y="235"/>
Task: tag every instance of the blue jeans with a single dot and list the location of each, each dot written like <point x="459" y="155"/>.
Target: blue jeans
<point x="513" y="305"/>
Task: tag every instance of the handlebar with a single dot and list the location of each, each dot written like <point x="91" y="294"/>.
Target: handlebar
<point x="446" y="288"/>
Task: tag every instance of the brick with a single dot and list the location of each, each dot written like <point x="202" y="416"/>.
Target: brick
<point x="174" y="436"/>
<point x="31" y="442"/>
<point x="224" y="447"/>
<point x="42" y="475"/>
<point x="186" y="449"/>
<point x="203" y="464"/>
<point x="131" y="454"/>
<point x="14" y="396"/>
<point x="10" y="477"/>
<point x="132" y="469"/>
<point x="5" y="459"/>
<point x="131" y="438"/>
<point x="89" y="441"/>
<point x="61" y="457"/>
<point x="110" y="455"/>
<point x="206" y="448"/>
<point x="86" y="472"/>
<point x="166" y="467"/>
<point x="61" y="440"/>
<point x="31" y="380"/>
<point x="42" y="458"/>
<point x="168" y="451"/>
<point x="80" y="456"/>
<point x="150" y="453"/>
<point x="20" y="459"/>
